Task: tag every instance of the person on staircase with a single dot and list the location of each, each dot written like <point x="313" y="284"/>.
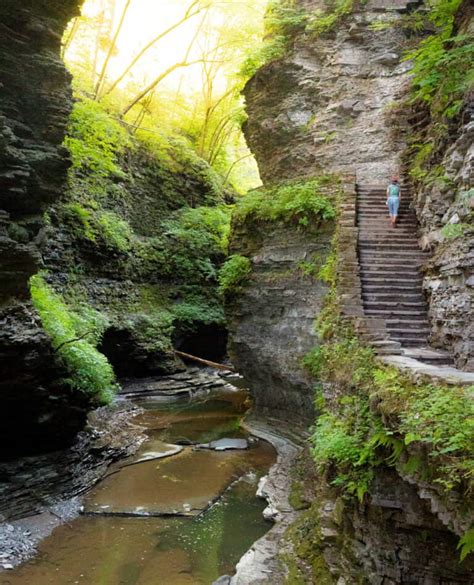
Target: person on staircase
<point x="393" y="199"/>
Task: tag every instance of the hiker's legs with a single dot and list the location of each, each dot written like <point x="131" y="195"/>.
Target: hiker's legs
<point x="393" y="203"/>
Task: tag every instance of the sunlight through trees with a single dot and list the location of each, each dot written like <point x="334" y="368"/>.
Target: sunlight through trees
<point x="172" y="68"/>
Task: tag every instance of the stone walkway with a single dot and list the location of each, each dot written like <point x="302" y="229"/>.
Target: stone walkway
<point x="380" y="284"/>
<point x="390" y="260"/>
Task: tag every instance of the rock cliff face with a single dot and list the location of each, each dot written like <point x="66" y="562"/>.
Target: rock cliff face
<point x="35" y="101"/>
<point x="271" y="324"/>
<point x="328" y="105"/>
<point x="325" y="105"/>
<point x="445" y="208"/>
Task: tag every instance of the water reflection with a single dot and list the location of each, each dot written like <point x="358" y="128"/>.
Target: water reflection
<point x="164" y="551"/>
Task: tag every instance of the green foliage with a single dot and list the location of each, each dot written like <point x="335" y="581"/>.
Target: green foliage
<point x="442" y="63"/>
<point x="322" y="22"/>
<point x="283" y="20"/>
<point x="196" y="242"/>
<point x="95" y="140"/>
<point x="74" y="336"/>
<point x="115" y="232"/>
<point x="198" y="310"/>
<point x="152" y="330"/>
<point x="270" y="51"/>
<point x="102" y="227"/>
<point x="452" y="231"/>
<point x="301" y="202"/>
<point x="233" y="274"/>
<point x="466" y="543"/>
<point x="185" y="158"/>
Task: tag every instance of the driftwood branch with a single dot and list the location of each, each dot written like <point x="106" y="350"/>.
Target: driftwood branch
<point x="204" y="362"/>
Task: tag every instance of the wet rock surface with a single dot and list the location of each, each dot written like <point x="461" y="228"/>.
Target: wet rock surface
<point x="46" y="485"/>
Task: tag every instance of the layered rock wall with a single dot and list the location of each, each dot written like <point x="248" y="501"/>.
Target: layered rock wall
<point x="325" y="104"/>
<point x="445" y="208"/>
<point x="328" y="105"/>
<point x="271" y="323"/>
<point x="35" y="101"/>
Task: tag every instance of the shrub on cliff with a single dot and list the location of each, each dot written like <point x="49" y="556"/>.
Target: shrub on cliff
<point x="301" y="202"/>
<point x="74" y="337"/>
<point x="233" y="274"/>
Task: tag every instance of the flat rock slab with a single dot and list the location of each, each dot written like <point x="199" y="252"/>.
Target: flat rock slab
<point x="446" y="374"/>
<point x="225" y="444"/>
<point x="152" y="454"/>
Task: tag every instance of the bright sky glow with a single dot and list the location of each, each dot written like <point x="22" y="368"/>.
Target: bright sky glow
<point x="145" y="19"/>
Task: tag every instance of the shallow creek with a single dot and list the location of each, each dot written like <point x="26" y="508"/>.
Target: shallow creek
<point x="184" y="516"/>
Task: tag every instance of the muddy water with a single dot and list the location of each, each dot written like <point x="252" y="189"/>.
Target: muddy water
<point x="123" y="540"/>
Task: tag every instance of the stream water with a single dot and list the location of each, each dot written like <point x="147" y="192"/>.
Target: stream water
<point x="183" y="519"/>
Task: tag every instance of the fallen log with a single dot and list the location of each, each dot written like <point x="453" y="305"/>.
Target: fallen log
<point x="203" y="361"/>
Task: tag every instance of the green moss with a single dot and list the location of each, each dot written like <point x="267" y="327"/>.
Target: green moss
<point x="305" y="538"/>
<point x="74" y="336"/>
<point x="453" y="231"/>
<point x="95" y="141"/>
<point x="104" y="228"/>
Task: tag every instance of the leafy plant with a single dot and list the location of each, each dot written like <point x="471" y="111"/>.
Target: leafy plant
<point x="442" y="63"/>
<point x="95" y="140"/>
<point x="74" y="336"/>
<point x="321" y="22"/>
<point x="452" y="231"/>
<point x="233" y="274"/>
<point x="466" y="543"/>
<point x="300" y="202"/>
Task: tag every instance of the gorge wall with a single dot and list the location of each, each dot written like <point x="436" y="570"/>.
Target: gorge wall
<point x="444" y="202"/>
<point x="127" y="262"/>
<point x="332" y="103"/>
<point x="35" y="102"/>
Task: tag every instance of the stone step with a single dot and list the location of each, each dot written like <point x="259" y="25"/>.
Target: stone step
<point x="385" y="309"/>
<point x="430" y="356"/>
<point x="385" y="231"/>
<point x="382" y="260"/>
<point x="389" y="283"/>
<point x="389" y="269"/>
<point x="401" y="254"/>
<point x="377" y="214"/>
<point x="397" y="288"/>
<point x="406" y="324"/>
<point x="379" y="206"/>
<point x="405" y="332"/>
<point x="415" y="297"/>
<point x="391" y="237"/>
<point x="384" y="216"/>
<point x="390" y="246"/>
<point x="365" y="222"/>
<point x="402" y="309"/>
<point x="370" y="268"/>
<point x="411" y="342"/>
<point x="391" y="275"/>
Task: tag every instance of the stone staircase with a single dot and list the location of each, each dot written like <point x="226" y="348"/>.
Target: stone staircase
<point x="391" y="281"/>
